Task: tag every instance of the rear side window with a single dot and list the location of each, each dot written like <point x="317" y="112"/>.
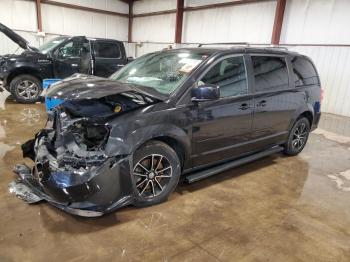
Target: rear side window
<point x="106" y="50"/>
<point x="270" y="73"/>
<point x="304" y="72"/>
<point x="230" y="75"/>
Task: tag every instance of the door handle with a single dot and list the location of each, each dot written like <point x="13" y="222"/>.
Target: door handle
<point x="262" y="103"/>
<point x="120" y="65"/>
<point x="74" y="65"/>
<point x="244" y="106"/>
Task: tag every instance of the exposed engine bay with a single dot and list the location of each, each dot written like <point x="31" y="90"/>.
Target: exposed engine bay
<point x="77" y="131"/>
<point x="72" y="170"/>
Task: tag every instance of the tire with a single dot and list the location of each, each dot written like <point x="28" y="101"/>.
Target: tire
<point x="26" y="89"/>
<point x="298" y="137"/>
<point x="150" y="185"/>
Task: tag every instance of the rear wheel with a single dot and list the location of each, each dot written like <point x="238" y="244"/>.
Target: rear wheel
<point x="26" y="89"/>
<point x="298" y="137"/>
<point x="156" y="173"/>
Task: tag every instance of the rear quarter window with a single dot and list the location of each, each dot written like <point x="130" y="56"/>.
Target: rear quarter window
<point x="271" y="73"/>
<point x="304" y="72"/>
<point x="107" y="50"/>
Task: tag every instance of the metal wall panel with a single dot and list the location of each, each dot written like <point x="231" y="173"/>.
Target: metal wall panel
<point x="146" y="6"/>
<point x="230" y="24"/>
<point x="61" y="20"/>
<point x="160" y="28"/>
<point x="316" y="22"/>
<point x="333" y="65"/>
<point x="109" y="5"/>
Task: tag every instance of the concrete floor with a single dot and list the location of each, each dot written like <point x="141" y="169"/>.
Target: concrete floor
<point x="277" y="209"/>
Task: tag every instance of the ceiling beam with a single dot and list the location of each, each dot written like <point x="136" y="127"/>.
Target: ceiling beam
<point x="202" y="7"/>
<point x="277" y="25"/>
<point x="83" y="8"/>
<point x="225" y="4"/>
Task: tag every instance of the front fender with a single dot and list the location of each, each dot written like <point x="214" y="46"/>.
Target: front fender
<point x="127" y="144"/>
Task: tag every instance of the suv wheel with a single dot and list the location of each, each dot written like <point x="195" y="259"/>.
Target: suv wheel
<point x="25" y="89"/>
<point x="297" y="137"/>
<point x="156" y="173"/>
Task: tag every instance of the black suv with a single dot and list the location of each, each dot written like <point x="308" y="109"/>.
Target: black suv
<point x="61" y="57"/>
<point x="192" y="112"/>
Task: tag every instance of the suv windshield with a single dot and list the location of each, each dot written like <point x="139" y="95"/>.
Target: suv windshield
<point x="48" y="46"/>
<point x="162" y="71"/>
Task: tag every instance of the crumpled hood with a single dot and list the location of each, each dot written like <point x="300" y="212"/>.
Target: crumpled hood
<point x="80" y="86"/>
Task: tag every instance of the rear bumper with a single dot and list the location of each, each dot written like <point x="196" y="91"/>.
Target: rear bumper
<point x="104" y="189"/>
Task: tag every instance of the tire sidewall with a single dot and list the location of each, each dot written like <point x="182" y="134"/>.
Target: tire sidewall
<point x="14" y="88"/>
<point x="290" y="150"/>
<point x="155" y="147"/>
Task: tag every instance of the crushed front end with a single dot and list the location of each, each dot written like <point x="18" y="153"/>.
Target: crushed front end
<point x="71" y="170"/>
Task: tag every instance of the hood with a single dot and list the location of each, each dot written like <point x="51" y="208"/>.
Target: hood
<point x="16" y="38"/>
<point x="80" y="86"/>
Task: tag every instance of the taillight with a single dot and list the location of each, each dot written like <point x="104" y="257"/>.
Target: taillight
<point x="322" y="94"/>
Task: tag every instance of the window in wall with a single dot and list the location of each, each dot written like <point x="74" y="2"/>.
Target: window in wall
<point x="270" y="73"/>
<point x="106" y="50"/>
<point x="229" y="75"/>
<point x="304" y="72"/>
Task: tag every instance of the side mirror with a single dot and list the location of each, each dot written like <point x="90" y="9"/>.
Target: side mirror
<point x="129" y="59"/>
<point x="205" y="93"/>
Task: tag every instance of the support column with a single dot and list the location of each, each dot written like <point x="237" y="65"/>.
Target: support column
<point x="179" y="21"/>
<point x="131" y="3"/>
<point x="38" y="15"/>
<point x="277" y="25"/>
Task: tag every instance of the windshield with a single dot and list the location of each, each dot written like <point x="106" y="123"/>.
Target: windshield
<point x="162" y="71"/>
<point x="48" y="46"/>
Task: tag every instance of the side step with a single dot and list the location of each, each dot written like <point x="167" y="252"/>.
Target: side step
<point x="223" y="167"/>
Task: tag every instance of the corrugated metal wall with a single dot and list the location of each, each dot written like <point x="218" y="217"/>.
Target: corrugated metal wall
<point x="323" y="22"/>
<point x="230" y="24"/>
<point x="305" y="22"/>
<point x="21" y="16"/>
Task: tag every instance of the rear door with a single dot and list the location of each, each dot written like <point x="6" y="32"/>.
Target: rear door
<point x="222" y="128"/>
<point x="109" y="57"/>
<point x="274" y="100"/>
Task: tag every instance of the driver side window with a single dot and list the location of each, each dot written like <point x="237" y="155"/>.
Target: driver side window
<point x="230" y="75"/>
<point x="73" y="49"/>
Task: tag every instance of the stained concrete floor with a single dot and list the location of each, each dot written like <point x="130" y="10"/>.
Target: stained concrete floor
<point x="275" y="209"/>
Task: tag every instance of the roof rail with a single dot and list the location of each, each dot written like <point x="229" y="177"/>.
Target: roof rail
<point x="277" y="47"/>
<point x="228" y="43"/>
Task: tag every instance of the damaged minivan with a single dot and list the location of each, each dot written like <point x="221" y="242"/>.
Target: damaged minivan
<point x="126" y="140"/>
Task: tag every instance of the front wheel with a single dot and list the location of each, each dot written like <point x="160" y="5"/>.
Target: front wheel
<point x="156" y="173"/>
<point x="298" y="137"/>
<point x="26" y="89"/>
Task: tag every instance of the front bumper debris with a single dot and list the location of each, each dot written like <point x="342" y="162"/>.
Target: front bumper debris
<point x="105" y="189"/>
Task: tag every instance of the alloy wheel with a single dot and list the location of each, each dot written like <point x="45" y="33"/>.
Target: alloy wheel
<point x="299" y="136"/>
<point x="152" y="175"/>
<point x="27" y="89"/>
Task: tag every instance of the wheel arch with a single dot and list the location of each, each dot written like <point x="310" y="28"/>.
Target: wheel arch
<point x="23" y="71"/>
<point x="308" y="115"/>
<point x="305" y="111"/>
<point x="171" y="135"/>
